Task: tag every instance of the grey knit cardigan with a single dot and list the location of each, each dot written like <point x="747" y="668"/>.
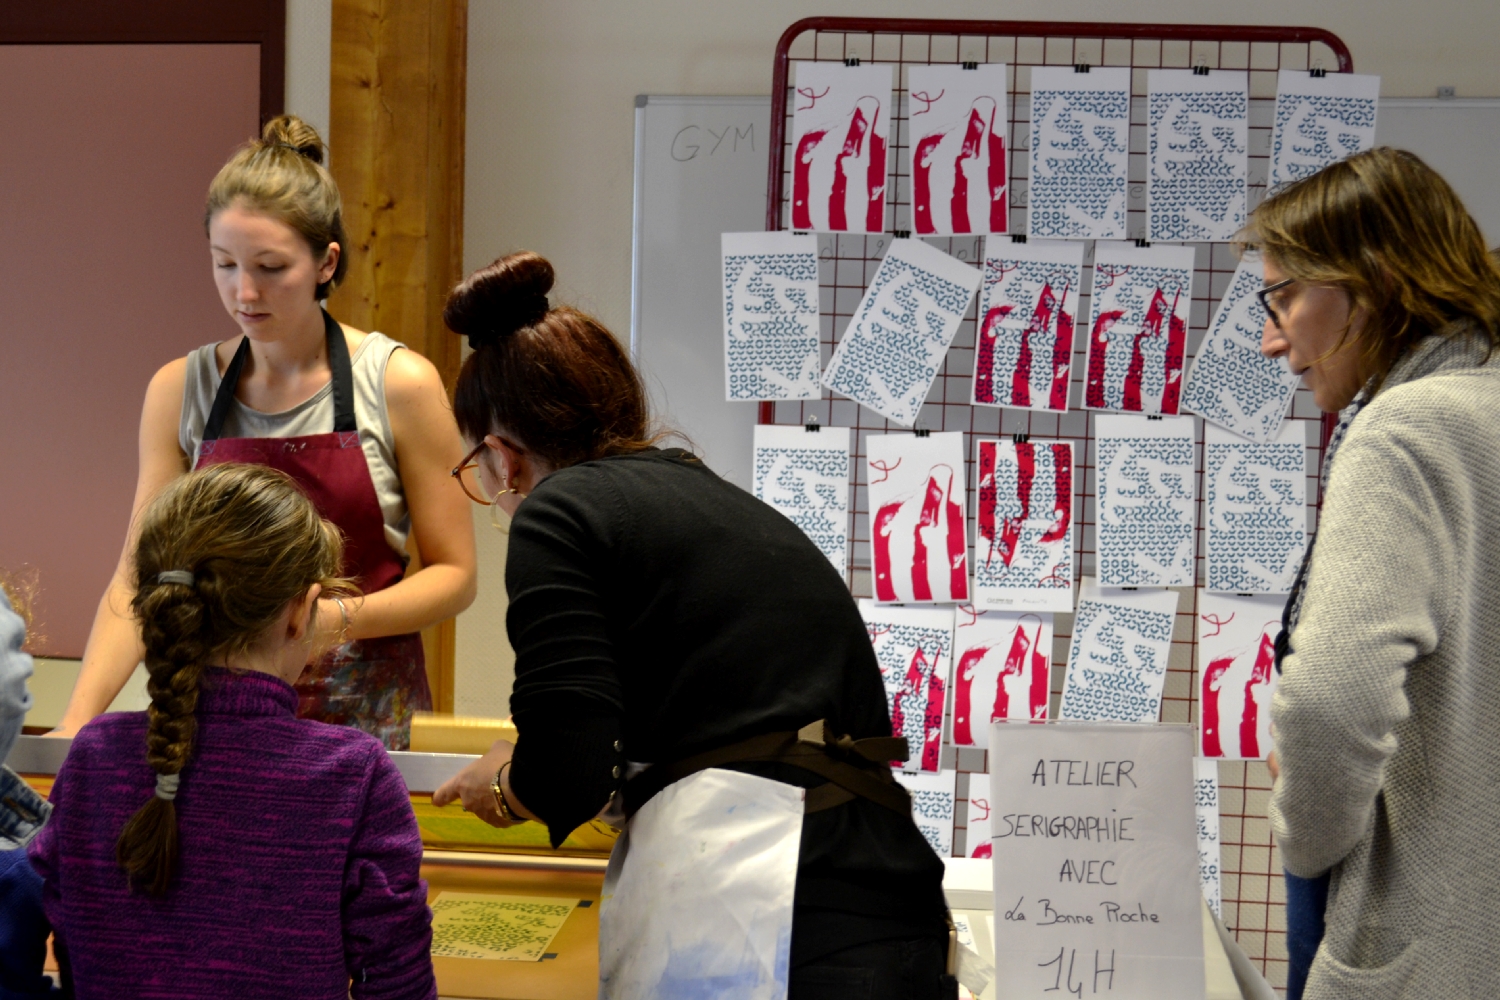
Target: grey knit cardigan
<point x="1387" y="716"/>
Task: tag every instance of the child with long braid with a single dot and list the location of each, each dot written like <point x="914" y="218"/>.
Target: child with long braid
<point x="215" y="845"/>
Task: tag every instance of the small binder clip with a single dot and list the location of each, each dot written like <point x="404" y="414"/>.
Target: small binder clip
<point x="801" y="232"/>
<point x="901" y="234"/>
<point x="812" y="426"/>
<point x="921" y="432"/>
<point x="1020" y="438"/>
<point x="851" y="61"/>
<point x="1018" y="237"/>
<point x="1153" y="416"/>
<point x="1317" y="72"/>
<point x="1200" y="70"/>
<point x="1142" y="243"/>
<point x="1080" y="67"/>
<point x="971" y="65"/>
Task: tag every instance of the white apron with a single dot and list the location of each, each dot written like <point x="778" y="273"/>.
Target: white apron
<point x="697" y="900"/>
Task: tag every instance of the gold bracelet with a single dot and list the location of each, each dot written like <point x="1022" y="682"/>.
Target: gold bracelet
<point x="504" y="807"/>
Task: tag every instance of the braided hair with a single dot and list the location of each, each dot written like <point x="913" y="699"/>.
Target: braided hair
<point x="220" y="554"/>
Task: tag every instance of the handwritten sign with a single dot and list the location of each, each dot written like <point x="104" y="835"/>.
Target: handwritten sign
<point x="1096" y="862"/>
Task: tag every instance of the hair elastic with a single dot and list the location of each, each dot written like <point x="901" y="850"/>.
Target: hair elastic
<point x="167" y="785"/>
<point x="182" y="576"/>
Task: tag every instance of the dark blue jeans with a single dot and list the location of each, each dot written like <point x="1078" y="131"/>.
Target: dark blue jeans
<point x="1306" y="902"/>
<point x="23" y="930"/>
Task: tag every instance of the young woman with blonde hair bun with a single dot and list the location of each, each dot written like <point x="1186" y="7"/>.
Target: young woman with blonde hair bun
<point x="363" y="427"/>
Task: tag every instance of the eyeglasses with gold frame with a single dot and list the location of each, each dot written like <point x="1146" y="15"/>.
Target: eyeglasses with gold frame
<point x="466" y="473"/>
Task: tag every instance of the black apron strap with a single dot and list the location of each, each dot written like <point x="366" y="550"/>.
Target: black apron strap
<point x="338" y="365"/>
<point x="854" y="768"/>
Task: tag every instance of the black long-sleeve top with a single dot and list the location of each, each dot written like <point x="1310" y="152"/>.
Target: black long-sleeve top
<point x="658" y="611"/>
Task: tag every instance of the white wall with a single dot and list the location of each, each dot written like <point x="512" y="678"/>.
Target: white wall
<point x="550" y="128"/>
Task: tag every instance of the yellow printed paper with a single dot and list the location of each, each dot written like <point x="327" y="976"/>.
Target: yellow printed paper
<point x="483" y="925"/>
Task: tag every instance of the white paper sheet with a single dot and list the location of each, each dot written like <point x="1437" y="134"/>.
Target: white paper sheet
<point x="840" y="126"/>
<point x="1256" y="510"/>
<point x="914" y="647"/>
<point x="770" y="316"/>
<point x="1236" y="674"/>
<point x="1230" y="382"/>
<point x="1197" y="154"/>
<point x="932" y="807"/>
<point x="919" y="536"/>
<point x="1147" y="500"/>
<point x="1206" y="805"/>
<point x="1024" y="531"/>
<point x="1117" y="662"/>
<point x="1095" y="863"/>
<point x="958" y="120"/>
<point x="1142" y="297"/>
<point x="1002" y="668"/>
<point x="895" y="342"/>
<point x="1028" y="311"/>
<point x="1319" y="121"/>
<point x="805" y="475"/>
<point x="1080" y="150"/>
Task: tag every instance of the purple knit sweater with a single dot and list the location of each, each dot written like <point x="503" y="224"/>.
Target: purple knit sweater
<point x="298" y="864"/>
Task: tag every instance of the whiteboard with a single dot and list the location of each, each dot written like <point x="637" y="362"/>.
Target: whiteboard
<point x="700" y="170"/>
<point x="1459" y="138"/>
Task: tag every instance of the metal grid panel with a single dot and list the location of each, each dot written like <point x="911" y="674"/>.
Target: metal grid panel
<point x="1253" y="891"/>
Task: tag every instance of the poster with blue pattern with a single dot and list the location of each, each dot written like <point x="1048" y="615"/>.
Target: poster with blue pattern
<point x="804" y="473"/>
<point x="1256" y="510"/>
<point x="1230" y="382"/>
<point x="900" y="331"/>
<point x="1320" y="120"/>
<point x="1197" y="155"/>
<point x="1117" y="662"/>
<point x="1147" y="500"/>
<point x="770" y="316"/>
<point x="1080" y="153"/>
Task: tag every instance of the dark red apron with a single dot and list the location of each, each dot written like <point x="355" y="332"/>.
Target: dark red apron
<point x="372" y="684"/>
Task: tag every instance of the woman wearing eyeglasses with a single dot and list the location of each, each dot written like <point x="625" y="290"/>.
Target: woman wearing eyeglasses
<point x="1381" y="293"/>
<point x="683" y="644"/>
<point x="361" y="425"/>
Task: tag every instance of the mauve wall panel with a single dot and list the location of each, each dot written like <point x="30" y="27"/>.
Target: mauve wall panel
<point x="106" y="153"/>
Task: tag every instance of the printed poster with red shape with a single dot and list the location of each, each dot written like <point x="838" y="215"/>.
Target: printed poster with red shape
<point x="840" y="125"/>
<point x="1138" y="336"/>
<point x="958" y="120"/>
<point x="919" y="537"/>
<point x="1236" y="673"/>
<point x="1001" y="670"/>
<point x="1028" y="308"/>
<point x="914" y="647"/>
<point x="1023" y="545"/>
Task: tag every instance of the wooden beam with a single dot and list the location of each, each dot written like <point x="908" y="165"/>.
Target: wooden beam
<point x="396" y="141"/>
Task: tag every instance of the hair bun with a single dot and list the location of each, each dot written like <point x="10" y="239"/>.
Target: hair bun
<point x="496" y="301"/>
<point x="291" y="131"/>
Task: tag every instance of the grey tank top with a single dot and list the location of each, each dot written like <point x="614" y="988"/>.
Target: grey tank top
<point x="313" y="415"/>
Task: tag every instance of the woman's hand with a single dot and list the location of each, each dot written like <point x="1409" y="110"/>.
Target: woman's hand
<point x="472" y="786"/>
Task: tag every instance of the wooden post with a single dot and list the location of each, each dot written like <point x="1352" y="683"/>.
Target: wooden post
<point x="396" y="141"/>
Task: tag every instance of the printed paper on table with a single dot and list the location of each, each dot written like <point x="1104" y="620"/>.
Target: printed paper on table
<point x="932" y="807"/>
<point x="1206" y="803"/>
<point x="805" y="475"/>
<point x="914" y="647"/>
<point x="895" y="342"/>
<point x="919" y="536"/>
<point x="958" y="120"/>
<point x="977" y="831"/>
<point x="770" y="316"/>
<point x="1197" y="155"/>
<point x="484" y="925"/>
<point x="1138" y="333"/>
<point x="1002" y="667"/>
<point x="1147" y="501"/>
<point x="1256" y="511"/>
<point x="1231" y="383"/>
<point x="1080" y="151"/>
<point x="1117" y="662"/>
<point x="1023" y="545"/>
<point x="1320" y="120"/>
<point x="840" y="125"/>
<point x="1236" y="673"/>
<point x="1028" y="308"/>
